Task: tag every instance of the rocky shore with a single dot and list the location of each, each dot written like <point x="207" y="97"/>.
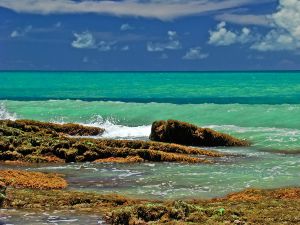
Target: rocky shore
<point x="252" y="206"/>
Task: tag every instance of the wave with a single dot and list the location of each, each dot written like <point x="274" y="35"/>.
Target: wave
<point x="265" y="138"/>
<point x="277" y="100"/>
<point x="117" y="131"/>
<point x="5" y="115"/>
<point x="137" y="114"/>
<point x="276" y="127"/>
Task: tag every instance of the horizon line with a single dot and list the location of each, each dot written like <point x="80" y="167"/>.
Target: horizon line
<point x="153" y="71"/>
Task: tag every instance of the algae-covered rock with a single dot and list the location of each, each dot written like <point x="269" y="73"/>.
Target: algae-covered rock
<point x="279" y="206"/>
<point x="38" y="142"/>
<point x="128" y="159"/>
<point x="173" y="131"/>
<point x="68" y="128"/>
<point x="2" y="192"/>
<point x="36" y="180"/>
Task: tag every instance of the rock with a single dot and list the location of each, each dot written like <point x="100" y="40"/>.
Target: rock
<point x="2" y="193"/>
<point x="68" y="128"/>
<point x="34" y="180"/>
<point x="173" y="131"/>
<point x="128" y="159"/>
<point x="38" y="142"/>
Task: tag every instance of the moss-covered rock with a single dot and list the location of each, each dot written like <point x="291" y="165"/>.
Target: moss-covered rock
<point x="173" y="131"/>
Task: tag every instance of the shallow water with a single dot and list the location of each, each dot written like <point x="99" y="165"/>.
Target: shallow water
<point x="173" y="180"/>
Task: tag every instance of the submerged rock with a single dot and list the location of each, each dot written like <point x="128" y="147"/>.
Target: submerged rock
<point x="173" y="131"/>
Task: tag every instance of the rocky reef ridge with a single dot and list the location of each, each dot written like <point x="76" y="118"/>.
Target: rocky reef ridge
<point x="38" y="142"/>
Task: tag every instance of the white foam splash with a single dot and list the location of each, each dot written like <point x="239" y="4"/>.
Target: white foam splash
<point x="116" y="131"/>
<point x="4" y="114"/>
<point x="119" y="131"/>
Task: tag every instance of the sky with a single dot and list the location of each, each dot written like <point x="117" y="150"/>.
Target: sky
<point x="149" y="35"/>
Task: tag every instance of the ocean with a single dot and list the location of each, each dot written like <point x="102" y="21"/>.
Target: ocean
<point x="263" y="107"/>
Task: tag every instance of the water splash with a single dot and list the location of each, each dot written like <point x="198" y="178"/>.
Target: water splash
<point x="4" y="114"/>
<point x="117" y="131"/>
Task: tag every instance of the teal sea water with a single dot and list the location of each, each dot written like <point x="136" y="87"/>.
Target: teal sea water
<point x="261" y="107"/>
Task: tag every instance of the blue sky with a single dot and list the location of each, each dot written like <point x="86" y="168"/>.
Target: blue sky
<point x="149" y="35"/>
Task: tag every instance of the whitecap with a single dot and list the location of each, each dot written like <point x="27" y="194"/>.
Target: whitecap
<point x="5" y="114"/>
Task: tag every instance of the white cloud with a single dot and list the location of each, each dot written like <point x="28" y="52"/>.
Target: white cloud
<point x="125" y="48"/>
<point x="126" y="27"/>
<point x="159" y="9"/>
<point x="260" y="20"/>
<point x="164" y="56"/>
<point x="195" y="54"/>
<point x="58" y="25"/>
<point x="224" y="37"/>
<point x="84" y="40"/>
<point x="21" y="32"/>
<point x="14" y="34"/>
<point x="172" y="44"/>
<point x="105" y="46"/>
<point x="286" y="32"/>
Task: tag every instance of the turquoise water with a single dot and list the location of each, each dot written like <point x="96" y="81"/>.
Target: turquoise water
<point x="178" y="88"/>
<point x="261" y="107"/>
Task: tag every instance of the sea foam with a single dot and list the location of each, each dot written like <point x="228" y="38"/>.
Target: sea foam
<point x="117" y="131"/>
<point x="4" y="114"/>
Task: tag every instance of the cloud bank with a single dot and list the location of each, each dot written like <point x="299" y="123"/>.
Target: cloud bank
<point x="284" y="32"/>
<point x="159" y="9"/>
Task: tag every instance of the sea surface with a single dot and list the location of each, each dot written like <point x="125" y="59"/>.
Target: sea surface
<point x="261" y="107"/>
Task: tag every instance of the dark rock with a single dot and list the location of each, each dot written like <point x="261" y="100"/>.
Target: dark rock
<point x="173" y="131"/>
